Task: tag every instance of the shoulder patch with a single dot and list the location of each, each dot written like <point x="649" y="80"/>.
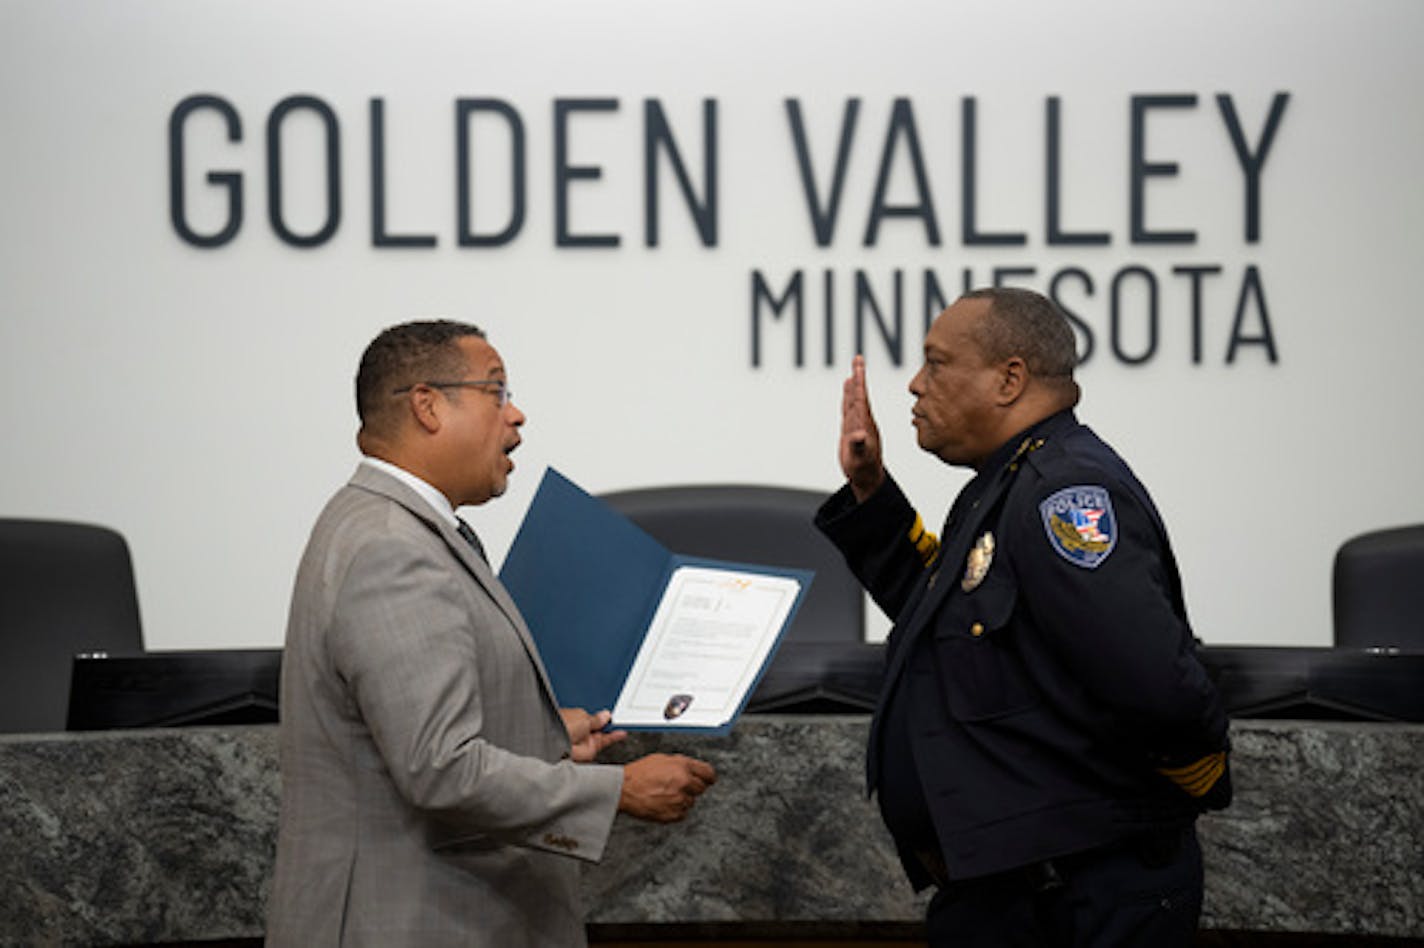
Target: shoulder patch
<point x="1081" y="524"/>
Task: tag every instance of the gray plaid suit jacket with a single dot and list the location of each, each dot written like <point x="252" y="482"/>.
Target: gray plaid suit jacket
<point x="428" y="797"/>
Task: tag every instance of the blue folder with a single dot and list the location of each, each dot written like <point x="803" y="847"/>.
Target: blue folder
<point x="588" y="582"/>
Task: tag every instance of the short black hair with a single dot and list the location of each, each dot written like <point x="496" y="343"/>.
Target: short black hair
<point x="1028" y="325"/>
<point x="419" y="351"/>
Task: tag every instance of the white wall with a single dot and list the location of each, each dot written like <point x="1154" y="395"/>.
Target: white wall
<point x="199" y="400"/>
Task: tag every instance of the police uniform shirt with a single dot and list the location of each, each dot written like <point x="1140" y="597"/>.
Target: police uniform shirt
<point x="1043" y="662"/>
<point x="892" y="774"/>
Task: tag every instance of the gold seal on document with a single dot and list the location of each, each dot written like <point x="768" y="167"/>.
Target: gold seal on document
<point x="978" y="562"/>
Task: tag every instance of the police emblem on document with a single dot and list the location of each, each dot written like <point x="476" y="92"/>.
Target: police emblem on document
<point x="978" y="562"/>
<point x="1081" y="524"/>
<point x="676" y="705"/>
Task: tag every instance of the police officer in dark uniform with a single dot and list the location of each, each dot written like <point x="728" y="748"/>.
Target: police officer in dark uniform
<point x="1045" y="736"/>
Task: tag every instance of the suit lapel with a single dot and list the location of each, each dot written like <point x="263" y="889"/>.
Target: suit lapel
<point x="484" y="575"/>
<point x="378" y="482"/>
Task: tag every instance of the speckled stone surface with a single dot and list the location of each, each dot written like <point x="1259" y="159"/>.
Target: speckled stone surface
<point x="168" y="835"/>
<point x="138" y="836"/>
<point x="1326" y="832"/>
<point x="786" y="834"/>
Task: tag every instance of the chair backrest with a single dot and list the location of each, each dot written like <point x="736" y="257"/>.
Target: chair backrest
<point x="1378" y="589"/>
<point x="65" y="588"/>
<point x="756" y="524"/>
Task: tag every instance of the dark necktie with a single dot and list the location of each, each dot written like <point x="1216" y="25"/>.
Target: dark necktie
<point x="468" y="533"/>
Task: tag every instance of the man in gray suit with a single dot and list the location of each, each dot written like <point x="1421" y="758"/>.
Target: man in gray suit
<point x="432" y="791"/>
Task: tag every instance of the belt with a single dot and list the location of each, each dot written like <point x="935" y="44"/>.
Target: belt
<point x="1154" y="849"/>
<point x="1041" y="876"/>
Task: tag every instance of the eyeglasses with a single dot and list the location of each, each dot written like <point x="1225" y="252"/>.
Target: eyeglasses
<point x="501" y="391"/>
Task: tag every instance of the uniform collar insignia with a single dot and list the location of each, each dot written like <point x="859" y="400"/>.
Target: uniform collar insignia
<point x="1027" y="447"/>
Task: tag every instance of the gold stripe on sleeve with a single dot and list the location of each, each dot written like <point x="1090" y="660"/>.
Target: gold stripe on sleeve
<point x="925" y="543"/>
<point x="1199" y="776"/>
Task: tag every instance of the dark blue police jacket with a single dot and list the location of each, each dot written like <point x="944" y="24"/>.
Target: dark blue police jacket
<point x="1055" y="701"/>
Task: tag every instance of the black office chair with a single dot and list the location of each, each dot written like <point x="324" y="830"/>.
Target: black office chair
<point x="65" y="588"/>
<point x="1378" y="590"/>
<point x="823" y="664"/>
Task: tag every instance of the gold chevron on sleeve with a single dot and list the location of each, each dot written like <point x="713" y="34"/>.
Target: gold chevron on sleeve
<point x="925" y="543"/>
<point x="1199" y="776"/>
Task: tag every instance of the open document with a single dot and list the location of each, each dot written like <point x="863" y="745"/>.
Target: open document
<point x="709" y="640"/>
<point x="667" y="642"/>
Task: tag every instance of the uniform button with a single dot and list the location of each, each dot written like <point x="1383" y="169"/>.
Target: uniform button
<point x="977" y="629"/>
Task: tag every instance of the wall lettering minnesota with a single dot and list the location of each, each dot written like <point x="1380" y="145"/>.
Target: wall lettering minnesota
<point x="1121" y="305"/>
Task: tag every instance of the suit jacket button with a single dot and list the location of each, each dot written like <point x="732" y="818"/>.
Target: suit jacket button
<point x="977" y="629"/>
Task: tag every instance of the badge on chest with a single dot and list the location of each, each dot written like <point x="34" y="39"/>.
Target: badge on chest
<point x="977" y="564"/>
